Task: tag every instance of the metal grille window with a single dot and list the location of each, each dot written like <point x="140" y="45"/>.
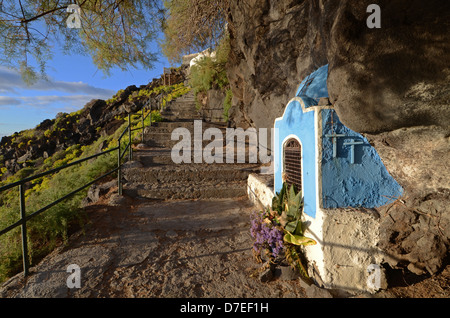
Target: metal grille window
<point x="293" y="163"/>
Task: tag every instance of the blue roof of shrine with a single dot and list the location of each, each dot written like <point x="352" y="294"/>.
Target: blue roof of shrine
<point x="314" y="86"/>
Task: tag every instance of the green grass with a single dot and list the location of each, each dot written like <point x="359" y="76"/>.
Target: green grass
<point x="227" y="104"/>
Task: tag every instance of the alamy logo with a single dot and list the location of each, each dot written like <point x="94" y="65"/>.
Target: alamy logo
<point x="74" y="19"/>
<point x="374" y="20"/>
<point x="248" y="141"/>
<point x="74" y="279"/>
<point x="374" y="277"/>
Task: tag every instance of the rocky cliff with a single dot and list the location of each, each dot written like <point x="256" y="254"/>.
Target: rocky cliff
<point x="391" y="83"/>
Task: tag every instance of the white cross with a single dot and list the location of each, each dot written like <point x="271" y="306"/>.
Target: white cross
<point x="352" y="144"/>
<point x="334" y="136"/>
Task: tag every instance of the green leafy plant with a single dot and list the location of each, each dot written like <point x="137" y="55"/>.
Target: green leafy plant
<point x="116" y="97"/>
<point x="227" y="104"/>
<point x="290" y="218"/>
<point x="174" y="91"/>
<point x="285" y="217"/>
<point x="210" y="72"/>
<point x="156" y="116"/>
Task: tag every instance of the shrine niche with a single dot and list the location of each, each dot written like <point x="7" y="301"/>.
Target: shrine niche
<point x="292" y="160"/>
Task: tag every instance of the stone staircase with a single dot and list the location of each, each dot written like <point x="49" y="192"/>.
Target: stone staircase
<point x="154" y="175"/>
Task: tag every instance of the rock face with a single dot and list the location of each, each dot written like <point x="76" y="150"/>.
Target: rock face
<point x="273" y="46"/>
<point x="212" y="105"/>
<point x="379" y="79"/>
<point x="390" y="83"/>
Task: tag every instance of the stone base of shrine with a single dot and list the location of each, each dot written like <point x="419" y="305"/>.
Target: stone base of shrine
<point x="346" y="259"/>
<point x="260" y="189"/>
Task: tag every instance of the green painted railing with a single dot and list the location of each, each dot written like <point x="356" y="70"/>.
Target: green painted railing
<point x="21" y="184"/>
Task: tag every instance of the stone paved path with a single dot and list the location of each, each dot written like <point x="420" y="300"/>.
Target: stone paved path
<point x="178" y="249"/>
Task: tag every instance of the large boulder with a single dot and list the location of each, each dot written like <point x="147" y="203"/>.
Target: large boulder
<point x="94" y="110"/>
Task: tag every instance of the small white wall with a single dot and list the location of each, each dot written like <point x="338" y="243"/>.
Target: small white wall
<point x="346" y="250"/>
<point x="259" y="189"/>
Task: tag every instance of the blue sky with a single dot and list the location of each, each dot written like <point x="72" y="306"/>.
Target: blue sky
<point x="73" y="81"/>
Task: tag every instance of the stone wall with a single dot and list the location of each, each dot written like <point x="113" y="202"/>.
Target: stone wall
<point x="260" y="189"/>
<point x="212" y="105"/>
<point x="346" y="247"/>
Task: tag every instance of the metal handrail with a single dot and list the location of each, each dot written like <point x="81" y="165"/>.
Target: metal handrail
<point x="24" y="218"/>
<point x="43" y="174"/>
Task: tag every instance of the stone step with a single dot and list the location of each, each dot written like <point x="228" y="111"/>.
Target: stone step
<point x="180" y="106"/>
<point x="169" y="127"/>
<point x="181" y="113"/>
<point x="163" y="147"/>
<point x="183" y="191"/>
<point x="186" y="97"/>
<point x="181" y="102"/>
<point x="166" y="134"/>
<point x="189" y="173"/>
<point x="161" y="153"/>
<point x="164" y="161"/>
<point x="156" y="129"/>
<point x="185" y="100"/>
<point x="168" y="143"/>
<point x="176" y="117"/>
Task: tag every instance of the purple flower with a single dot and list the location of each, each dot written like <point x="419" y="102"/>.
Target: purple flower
<point x="266" y="235"/>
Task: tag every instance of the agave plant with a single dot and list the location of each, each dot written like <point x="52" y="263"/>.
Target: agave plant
<point x="289" y="205"/>
<point x="278" y="201"/>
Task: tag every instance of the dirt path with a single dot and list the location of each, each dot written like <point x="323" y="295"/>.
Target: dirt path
<point x="147" y="249"/>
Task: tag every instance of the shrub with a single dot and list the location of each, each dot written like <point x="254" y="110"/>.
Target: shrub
<point x="211" y="72"/>
<point x="47" y="133"/>
<point x="227" y="104"/>
<point x="279" y="230"/>
<point x="156" y="116"/>
<point x="115" y="98"/>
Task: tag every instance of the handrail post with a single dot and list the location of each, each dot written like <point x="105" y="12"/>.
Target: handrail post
<point x="26" y="263"/>
<point x="119" y="171"/>
<point x="130" y="151"/>
<point x="143" y="125"/>
<point x="150" y="115"/>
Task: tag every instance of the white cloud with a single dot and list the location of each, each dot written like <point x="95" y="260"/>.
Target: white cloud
<point x="9" y="101"/>
<point x="56" y="102"/>
<point x="11" y="81"/>
<point x="65" y="96"/>
<point x="23" y="106"/>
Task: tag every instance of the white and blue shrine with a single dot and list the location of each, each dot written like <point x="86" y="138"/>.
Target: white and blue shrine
<point x="341" y="177"/>
<point x="334" y="166"/>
